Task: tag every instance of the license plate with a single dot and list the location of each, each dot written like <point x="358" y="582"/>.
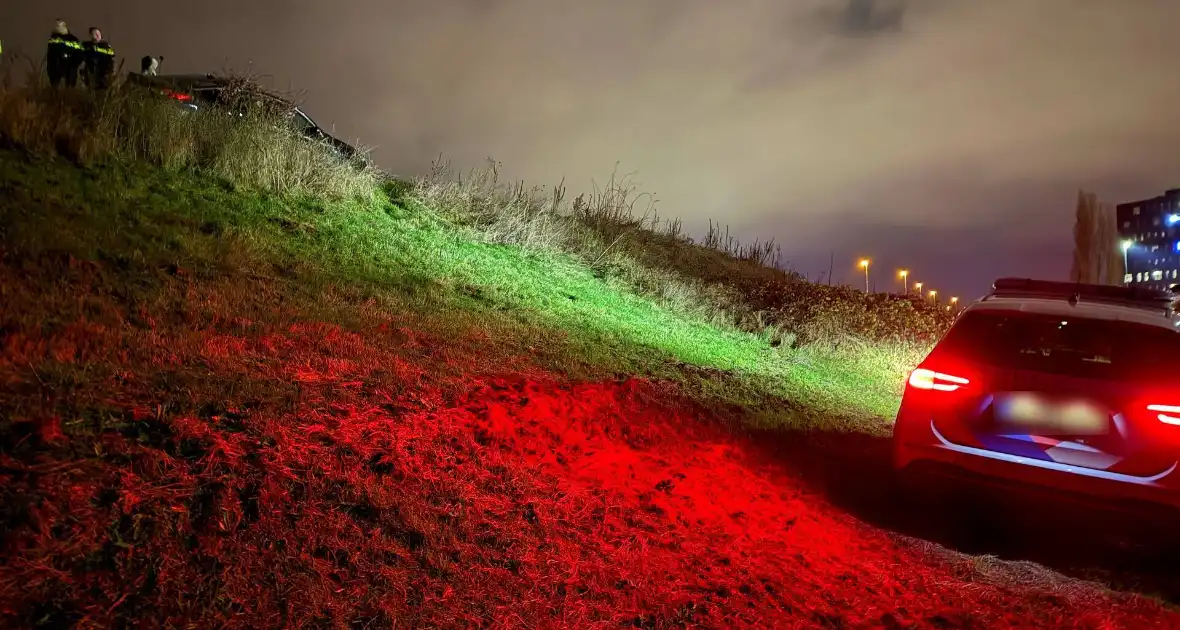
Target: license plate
<point x="1028" y="412"/>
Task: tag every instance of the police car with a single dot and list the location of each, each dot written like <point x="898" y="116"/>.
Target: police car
<point x="1070" y="388"/>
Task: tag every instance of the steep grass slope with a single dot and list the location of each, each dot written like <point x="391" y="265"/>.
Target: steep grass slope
<point x="224" y="408"/>
<point x="436" y="405"/>
<point x="588" y="267"/>
<point x="410" y="250"/>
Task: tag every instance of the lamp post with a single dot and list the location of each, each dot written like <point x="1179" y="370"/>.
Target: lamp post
<point x="905" y="280"/>
<point x="1126" y="247"/>
<point x="934" y="296"/>
<point x="918" y="288"/>
<point x="951" y="306"/>
<point x="865" y="263"/>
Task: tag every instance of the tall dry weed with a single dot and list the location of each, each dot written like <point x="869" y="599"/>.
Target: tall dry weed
<point x="255" y="150"/>
<point x="616" y="230"/>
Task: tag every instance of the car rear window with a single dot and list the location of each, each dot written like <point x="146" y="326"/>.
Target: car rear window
<point x="1072" y="346"/>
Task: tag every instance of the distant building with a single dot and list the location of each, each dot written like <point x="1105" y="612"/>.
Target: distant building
<point x="1150" y="234"/>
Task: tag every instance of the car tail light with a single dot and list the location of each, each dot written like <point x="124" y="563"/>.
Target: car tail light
<point x="1167" y="414"/>
<point x="180" y="96"/>
<point x="930" y="380"/>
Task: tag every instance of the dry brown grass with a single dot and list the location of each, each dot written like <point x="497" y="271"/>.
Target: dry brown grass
<point x="617" y="231"/>
<point x="253" y="151"/>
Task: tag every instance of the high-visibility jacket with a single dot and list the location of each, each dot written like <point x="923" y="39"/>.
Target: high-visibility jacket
<point x="63" y="55"/>
<point x="100" y="62"/>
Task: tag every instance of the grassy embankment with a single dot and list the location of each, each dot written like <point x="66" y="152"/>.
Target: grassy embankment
<point x="248" y="385"/>
<point x="599" y="289"/>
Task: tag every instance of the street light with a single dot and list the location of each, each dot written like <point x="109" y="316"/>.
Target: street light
<point x="864" y="262"/>
<point x="905" y="279"/>
<point x="1126" y="247"/>
<point x="954" y="301"/>
<point x="918" y="288"/>
<point x="934" y="296"/>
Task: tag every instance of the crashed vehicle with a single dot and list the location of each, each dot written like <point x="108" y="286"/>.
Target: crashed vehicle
<point x="199" y="91"/>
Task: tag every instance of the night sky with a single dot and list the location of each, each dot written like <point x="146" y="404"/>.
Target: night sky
<point x="946" y="136"/>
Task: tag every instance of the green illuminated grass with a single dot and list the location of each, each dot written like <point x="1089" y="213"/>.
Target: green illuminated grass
<point x="410" y="256"/>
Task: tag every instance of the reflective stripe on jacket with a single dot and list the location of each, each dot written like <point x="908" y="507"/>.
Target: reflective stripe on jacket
<point x="57" y="40"/>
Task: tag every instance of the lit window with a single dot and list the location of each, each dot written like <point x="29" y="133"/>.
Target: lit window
<point x="1157" y="275"/>
<point x="1135" y="211"/>
<point x="1127" y="278"/>
<point x="1155" y="248"/>
<point x="1139" y="277"/>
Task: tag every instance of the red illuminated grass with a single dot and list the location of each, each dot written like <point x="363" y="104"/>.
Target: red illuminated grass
<point x="211" y="456"/>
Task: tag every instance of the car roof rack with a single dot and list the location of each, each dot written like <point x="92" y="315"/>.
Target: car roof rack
<point x="1075" y="292"/>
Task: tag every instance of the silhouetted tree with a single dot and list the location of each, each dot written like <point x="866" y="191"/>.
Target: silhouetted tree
<point x="1083" y="242"/>
<point x="1096" y="256"/>
<point x="1108" y="244"/>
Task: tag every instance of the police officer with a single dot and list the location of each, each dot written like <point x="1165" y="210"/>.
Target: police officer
<point x="63" y="56"/>
<point x="100" y="60"/>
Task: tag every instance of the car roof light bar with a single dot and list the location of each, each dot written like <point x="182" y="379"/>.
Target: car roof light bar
<point x="1074" y="292"/>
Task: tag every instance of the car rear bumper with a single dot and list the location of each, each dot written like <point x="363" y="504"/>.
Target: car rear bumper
<point x="917" y="446"/>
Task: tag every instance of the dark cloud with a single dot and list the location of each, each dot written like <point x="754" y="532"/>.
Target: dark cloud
<point x="970" y="122"/>
<point x="863" y="17"/>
